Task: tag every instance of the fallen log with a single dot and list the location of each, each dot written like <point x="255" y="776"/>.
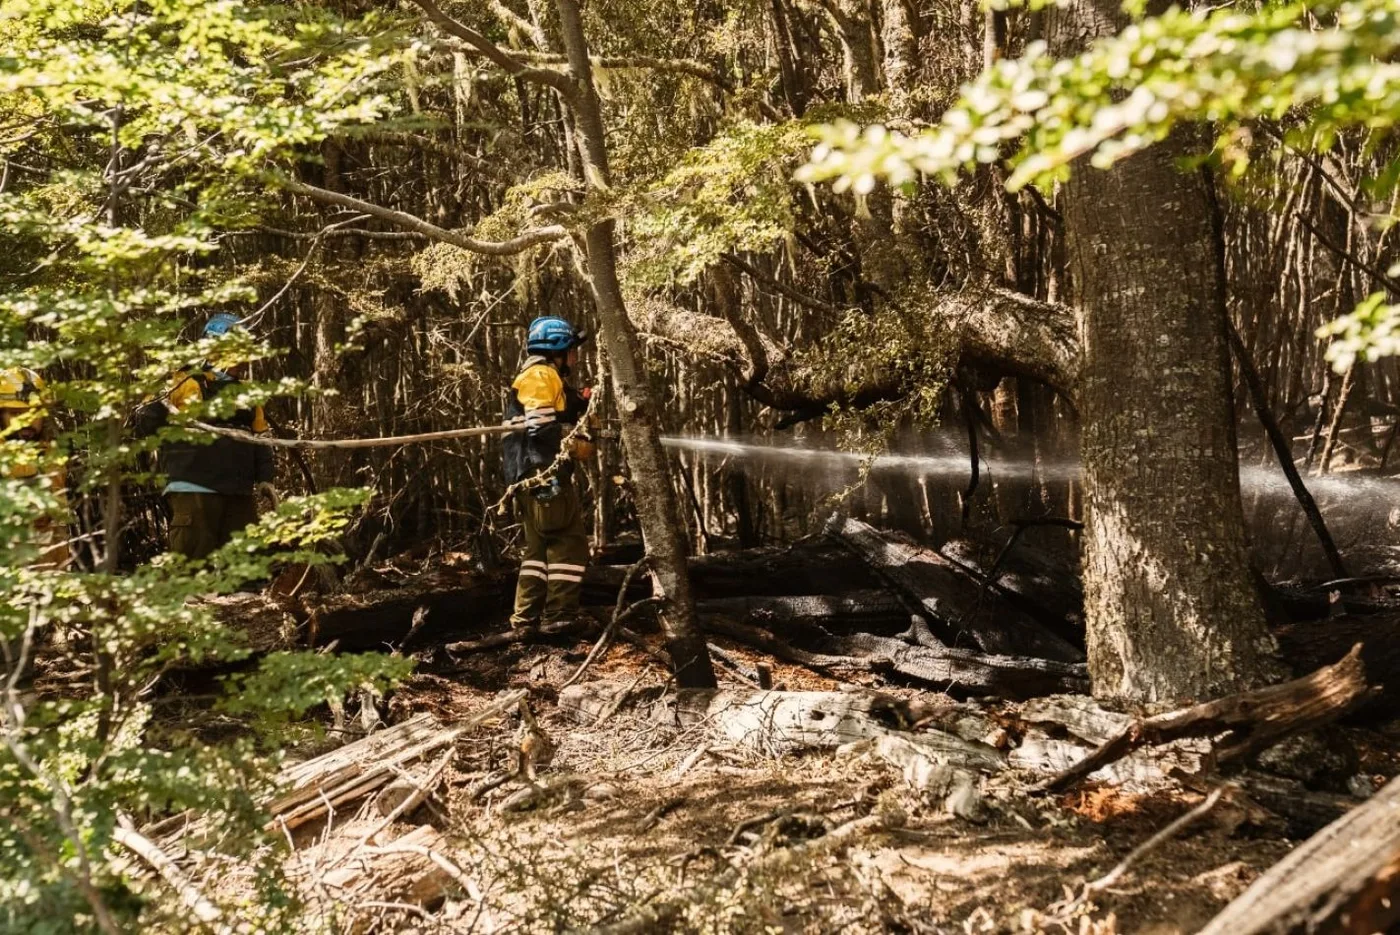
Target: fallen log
<point x="810" y="567"/>
<point x="1346" y="878"/>
<point x="1249" y="721"/>
<point x="1141" y="771"/>
<point x="949" y="670"/>
<point x="929" y="764"/>
<point x="861" y="609"/>
<point x="965" y="671"/>
<point x="1304" y="811"/>
<point x="455" y="603"/>
<point x="1309" y="646"/>
<point x="1042" y="585"/>
<point x="1080" y="715"/>
<point x="955" y="602"/>
<point x="521" y="635"/>
<point x="383" y="618"/>
<point x="774" y="722"/>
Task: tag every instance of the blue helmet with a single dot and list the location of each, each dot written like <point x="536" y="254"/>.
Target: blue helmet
<point x="552" y="336"/>
<point x="221" y="324"/>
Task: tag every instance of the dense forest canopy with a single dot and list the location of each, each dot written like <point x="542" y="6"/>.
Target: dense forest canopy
<point x="1122" y="280"/>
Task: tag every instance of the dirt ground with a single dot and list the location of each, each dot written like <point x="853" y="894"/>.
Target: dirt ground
<point x="636" y="815"/>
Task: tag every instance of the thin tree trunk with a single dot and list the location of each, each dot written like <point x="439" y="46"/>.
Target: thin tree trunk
<point x="1170" y="611"/>
<point x="1324" y="463"/>
<point x="657" y="509"/>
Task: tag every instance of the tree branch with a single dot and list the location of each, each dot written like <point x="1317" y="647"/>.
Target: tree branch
<point x="525" y="241"/>
<point x="327" y="235"/>
<point x="498" y="56"/>
<point x="512" y="21"/>
<point x="678" y="66"/>
<point x="758" y="276"/>
<point x="1370" y="269"/>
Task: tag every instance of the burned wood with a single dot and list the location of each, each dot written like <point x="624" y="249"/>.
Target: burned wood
<point x="1249" y="721"/>
<point x="1309" y="646"/>
<point x="781" y="649"/>
<point x="1304" y="811"/>
<point x="948" y="669"/>
<point x="949" y="596"/>
<point x="1045" y="586"/>
<point x="863" y="608"/>
<point x="383" y="619"/>
<point x="521" y="635"/>
<point x="965" y="671"/>
<point x="725" y="658"/>
<point x="1346" y="878"/>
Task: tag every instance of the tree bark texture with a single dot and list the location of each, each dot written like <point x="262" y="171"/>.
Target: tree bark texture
<point x="657" y="509"/>
<point x="1169" y="608"/>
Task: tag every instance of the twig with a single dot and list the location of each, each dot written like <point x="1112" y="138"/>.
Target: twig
<point x="650" y="819"/>
<point x="689" y="762"/>
<point x="611" y="628"/>
<point x="1064" y="910"/>
<point x="1146" y="847"/>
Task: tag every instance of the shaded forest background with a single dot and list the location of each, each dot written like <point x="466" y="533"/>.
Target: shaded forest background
<point x="765" y="305"/>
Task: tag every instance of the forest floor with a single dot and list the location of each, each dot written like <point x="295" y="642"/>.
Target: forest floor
<point x="635" y="816"/>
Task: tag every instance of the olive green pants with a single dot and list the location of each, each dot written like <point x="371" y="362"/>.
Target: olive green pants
<point x="202" y="522"/>
<point x="554" y="558"/>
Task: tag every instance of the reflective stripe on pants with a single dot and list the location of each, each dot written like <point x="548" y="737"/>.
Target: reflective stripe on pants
<point x="554" y="558"/>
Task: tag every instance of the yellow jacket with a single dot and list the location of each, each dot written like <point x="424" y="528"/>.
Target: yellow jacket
<point x="540" y="390"/>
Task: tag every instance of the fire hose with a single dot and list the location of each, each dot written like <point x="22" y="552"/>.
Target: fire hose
<point x="387" y="441"/>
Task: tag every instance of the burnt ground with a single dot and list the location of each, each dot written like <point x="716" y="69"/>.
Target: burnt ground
<point x="636" y="814"/>
<point x="624" y="826"/>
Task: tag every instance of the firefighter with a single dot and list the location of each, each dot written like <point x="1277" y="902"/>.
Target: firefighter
<point x="547" y="409"/>
<point x="210" y="487"/>
<point x="22" y="419"/>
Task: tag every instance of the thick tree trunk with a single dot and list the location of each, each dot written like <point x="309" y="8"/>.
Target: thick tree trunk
<point x="1170" y="611"/>
<point x="657" y="510"/>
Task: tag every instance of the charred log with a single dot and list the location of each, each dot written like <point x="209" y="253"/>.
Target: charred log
<point x="957" y="605"/>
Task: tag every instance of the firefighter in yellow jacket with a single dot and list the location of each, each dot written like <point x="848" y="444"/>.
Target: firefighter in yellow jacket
<point x="546" y="409"/>
<point x="211" y="487"/>
<point x="22" y="419"/>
